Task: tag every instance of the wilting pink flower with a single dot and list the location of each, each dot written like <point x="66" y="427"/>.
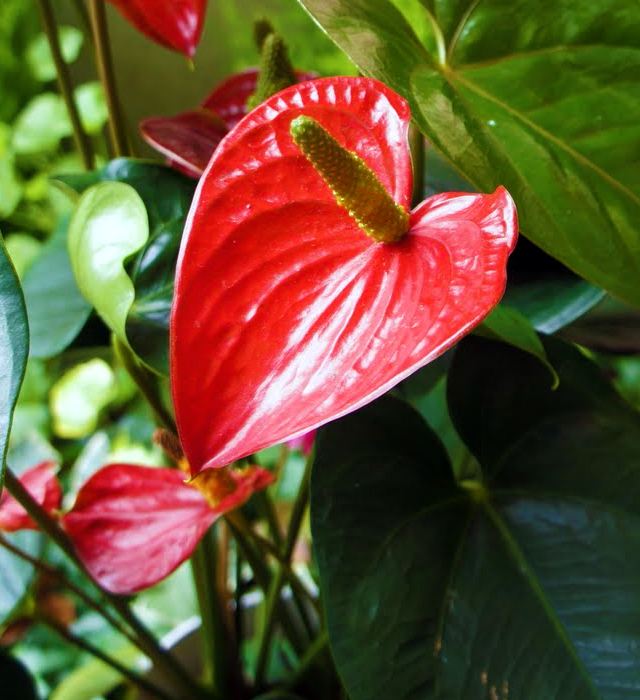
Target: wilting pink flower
<point x="43" y="486"/>
<point x="132" y="526"/>
<point x="288" y="312"/>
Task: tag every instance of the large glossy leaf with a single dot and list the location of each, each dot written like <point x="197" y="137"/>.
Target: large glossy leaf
<point x="51" y="292"/>
<point x="109" y="225"/>
<point x="539" y="98"/>
<point x="286" y="313"/>
<point x="522" y="584"/>
<point x="16" y="680"/>
<point x="14" y="348"/>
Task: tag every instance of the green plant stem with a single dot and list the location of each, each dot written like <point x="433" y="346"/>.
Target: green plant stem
<point x="143" y="638"/>
<point x="46" y="568"/>
<point x="146" y="382"/>
<point x="266" y="505"/>
<point x="215" y="637"/>
<point x="273" y="596"/>
<point x="82" y="140"/>
<point x="84" y="17"/>
<point x="319" y="645"/>
<point x="136" y="678"/>
<point x="117" y="128"/>
<point x="416" y="145"/>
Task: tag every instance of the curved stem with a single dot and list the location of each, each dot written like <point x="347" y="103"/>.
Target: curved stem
<point x="143" y="683"/>
<point x="146" y="382"/>
<point x="273" y="596"/>
<point x="117" y="128"/>
<point x="83" y="143"/>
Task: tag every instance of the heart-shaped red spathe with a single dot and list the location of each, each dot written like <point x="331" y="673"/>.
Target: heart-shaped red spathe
<point x="42" y="484"/>
<point x="286" y="314"/>
<point x="175" y="24"/>
<point x="132" y="525"/>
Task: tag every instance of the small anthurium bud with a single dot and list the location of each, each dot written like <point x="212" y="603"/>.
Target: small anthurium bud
<point x="285" y="315"/>
<point x="354" y="184"/>
<point x="276" y="72"/>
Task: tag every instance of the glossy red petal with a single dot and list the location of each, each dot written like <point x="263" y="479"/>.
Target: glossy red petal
<point x="41" y="482"/>
<point x="188" y="139"/>
<point x="132" y="526"/>
<point x="286" y="315"/>
<point x="176" y="24"/>
<point x="248" y="481"/>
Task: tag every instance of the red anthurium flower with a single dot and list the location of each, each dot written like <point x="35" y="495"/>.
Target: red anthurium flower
<point x="190" y="138"/>
<point x="304" y="287"/>
<point x="176" y="24"/>
<point x="132" y="525"/>
<point x="41" y="482"/>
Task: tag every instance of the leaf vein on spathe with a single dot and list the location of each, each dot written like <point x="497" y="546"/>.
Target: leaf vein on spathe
<point x="537" y="589"/>
<point x="562" y="145"/>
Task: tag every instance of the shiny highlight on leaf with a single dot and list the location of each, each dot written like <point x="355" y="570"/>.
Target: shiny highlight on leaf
<point x="354" y="185"/>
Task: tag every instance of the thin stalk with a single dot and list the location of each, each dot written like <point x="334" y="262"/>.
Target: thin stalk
<point x="96" y="605"/>
<point x="215" y="636"/>
<point x="416" y="145"/>
<point x="319" y="646"/>
<point x="273" y="596"/>
<point x="117" y="128"/>
<point x="146" y="382"/>
<point x="82" y="140"/>
<point x="144" y="639"/>
<point x="133" y="676"/>
<point x="265" y="504"/>
<point x="84" y="17"/>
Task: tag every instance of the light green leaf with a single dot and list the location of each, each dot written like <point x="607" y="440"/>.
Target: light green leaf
<point x="41" y="124"/>
<point x="92" y="106"/>
<point x="38" y="53"/>
<point x="16" y="575"/>
<point x="79" y="396"/>
<point x="23" y="249"/>
<point x="109" y="224"/>
<point x="14" y="348"/>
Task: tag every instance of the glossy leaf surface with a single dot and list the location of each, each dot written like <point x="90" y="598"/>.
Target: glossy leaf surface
<point x="176" y="24"/>
<point x="50" y="291"/>
<point x="42" y="484"/>
<point x="524" y="585"/>
<point x="14" y="348"/>
<point x="166" y="195"/>
<point x="286" y="313"/>
<point x="108" y="225"/>
<point x="543" y="104"/>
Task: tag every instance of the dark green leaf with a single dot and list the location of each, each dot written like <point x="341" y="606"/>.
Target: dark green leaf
<point x="16" y="575"/>
<point x="16" y="680"/>
<point x="14" y="348"/>
<point x="51" y="292"/>
<point x="521" y="584"/>
<point x="539" y="98"/>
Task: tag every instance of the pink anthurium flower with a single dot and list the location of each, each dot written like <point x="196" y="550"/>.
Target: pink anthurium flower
<point x="132" y="526"/>
<point x="176" y="24"/>
<point x="42" y="484"/>
<point x="304" y="287"/>
<point x="189" y="139"/>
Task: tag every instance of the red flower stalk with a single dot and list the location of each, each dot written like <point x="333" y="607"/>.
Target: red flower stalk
<point x="304" y="287"/>
<point x="175" y="24"/>
<point x="132" y="526"/>
<point x="43" y="486"/>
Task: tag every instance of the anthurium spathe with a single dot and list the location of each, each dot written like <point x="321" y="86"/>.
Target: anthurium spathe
<point x="176" y="24"/>
<point x="42" y="484"/>
<point x="132" y="526"/>
<point x="305" y="288"/>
